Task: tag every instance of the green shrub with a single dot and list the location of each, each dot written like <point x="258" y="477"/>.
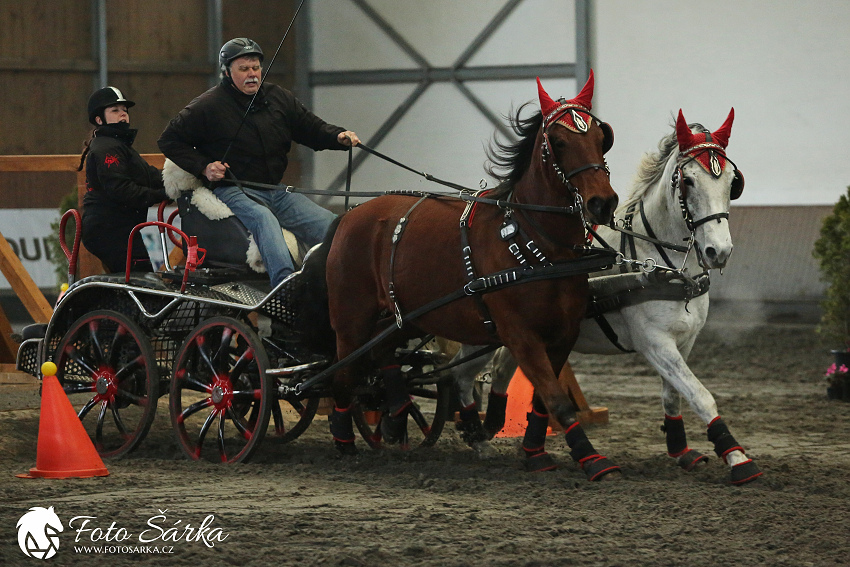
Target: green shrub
<point x="832" y="250"/>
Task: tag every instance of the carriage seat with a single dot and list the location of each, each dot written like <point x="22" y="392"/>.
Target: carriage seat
<point x="228" y="243"/>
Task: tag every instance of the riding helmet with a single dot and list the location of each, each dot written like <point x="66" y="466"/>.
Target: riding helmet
<point x="238" y="47"/>
<point x="103" y="98"/>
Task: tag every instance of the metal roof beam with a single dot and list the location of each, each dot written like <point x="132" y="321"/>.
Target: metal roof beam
<point x="443" y="74"/>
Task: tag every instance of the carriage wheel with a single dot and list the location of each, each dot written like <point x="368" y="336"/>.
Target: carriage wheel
<point x="291" y="418"/>
<point x="220" y="396"/>
<point x="425" y="421"/>
<point x="107" y="368"/>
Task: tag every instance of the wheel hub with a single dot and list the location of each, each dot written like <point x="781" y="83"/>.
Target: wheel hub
<point x="221" y="393"/>
<point x="104" y="384"/>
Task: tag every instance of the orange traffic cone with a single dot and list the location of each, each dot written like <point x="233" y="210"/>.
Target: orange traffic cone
<point x="64" y="447"/>
<point x="520" y="392"/>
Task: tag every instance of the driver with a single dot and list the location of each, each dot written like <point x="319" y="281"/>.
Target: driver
<point x="211" y="129"/>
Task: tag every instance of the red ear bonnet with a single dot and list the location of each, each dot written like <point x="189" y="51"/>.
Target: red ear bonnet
<point x="574" y="113"/>
<point x="547" y="105"/>
<point x="684" y="134"/>
<point x="721" y="135"/>
<point x="706" y="149"/>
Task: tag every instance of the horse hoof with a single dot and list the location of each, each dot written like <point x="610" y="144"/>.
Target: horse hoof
<point x="745" y="472"/>
<point x="540" y="462"/>
<point x="394" y="429"/>
<point x="347" y="448"/>
<point x="691" y="460"/>
<point x="597" y="467"/>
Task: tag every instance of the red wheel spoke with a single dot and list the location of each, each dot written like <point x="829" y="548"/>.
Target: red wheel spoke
<point x="116" y="417"/>
<point x="204" y="428"/>
<point x="221" y="450"/>
<point x="101" y="417"/>
<point x="195" y="408"/>
<point x="237" y="421"/>
<point x="244" y="360"/>
<point x="87" y="408"/>
<point x="78" y="357"/>
<point x="95" y="340"/>
<point x="419" y="418"/>
<point x="203" y="350"/>
<point x="114" y="351"/>
<point x="223" y="348"/>
<point x="136" y="399"/>
<point x="132" y="366"/>
<point x="78" y="387"/>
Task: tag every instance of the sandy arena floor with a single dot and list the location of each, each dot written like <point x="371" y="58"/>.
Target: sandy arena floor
<point x="302" y="504"/>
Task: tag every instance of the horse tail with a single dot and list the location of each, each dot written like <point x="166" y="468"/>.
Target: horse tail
<point x="313" y="321"/>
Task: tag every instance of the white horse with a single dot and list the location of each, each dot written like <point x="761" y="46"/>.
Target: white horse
<point x="677" y="219"/>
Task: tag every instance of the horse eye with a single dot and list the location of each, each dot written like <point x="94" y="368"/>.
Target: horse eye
<point x="689" y="182"/>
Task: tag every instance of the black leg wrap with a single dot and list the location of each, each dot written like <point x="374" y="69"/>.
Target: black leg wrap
<point x="395" y="388"/>
<point x="580" y="445"/>
<point x="674" y="431"/>
<point x="594" y="465"/>
<point x="494" y="421"/>
<point x="745" y="472"/>
<point x="342" y="429"/>
<point x="535" y="431"/>
<point x="470" y="427"/>
<point x="723" y="441"/>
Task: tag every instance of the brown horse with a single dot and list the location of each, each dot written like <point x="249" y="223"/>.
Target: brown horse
<point x="396" y="253"/>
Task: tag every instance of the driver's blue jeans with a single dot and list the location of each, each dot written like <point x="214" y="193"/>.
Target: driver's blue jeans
<point x="293" y="211"/>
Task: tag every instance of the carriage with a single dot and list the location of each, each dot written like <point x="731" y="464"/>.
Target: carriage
<point x="221" y="345"/>
<point x="389" y="272"/>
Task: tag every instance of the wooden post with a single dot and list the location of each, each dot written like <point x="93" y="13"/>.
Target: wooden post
<point x="23" y="284"/>
<point x="586" y="414"/>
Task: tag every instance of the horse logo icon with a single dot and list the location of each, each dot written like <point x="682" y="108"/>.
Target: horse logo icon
<point x="38" y="532"/>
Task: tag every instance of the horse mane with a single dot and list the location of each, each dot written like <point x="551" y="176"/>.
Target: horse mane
<point x="652" y="165"/>
<point x="510" y="160"/>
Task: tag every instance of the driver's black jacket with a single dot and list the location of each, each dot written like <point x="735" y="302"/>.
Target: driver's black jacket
<point x="209" y="127"/>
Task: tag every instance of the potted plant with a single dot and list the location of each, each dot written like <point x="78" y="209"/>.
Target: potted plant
<point x="832" y="250"/>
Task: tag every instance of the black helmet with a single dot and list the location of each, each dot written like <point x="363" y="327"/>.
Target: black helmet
<point x="102" y="98"/>
<point x="239" y="47"/>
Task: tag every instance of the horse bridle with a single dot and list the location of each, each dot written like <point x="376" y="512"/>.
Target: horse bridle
<point x="687" y="157"/>
<point x="546" y="148"/>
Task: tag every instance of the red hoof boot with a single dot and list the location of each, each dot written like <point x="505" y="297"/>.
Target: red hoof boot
<point x="596" y="467"/>
<point x="540" y="462"/>
<point x="745" y="472"/>
<point x="690" y="459"/>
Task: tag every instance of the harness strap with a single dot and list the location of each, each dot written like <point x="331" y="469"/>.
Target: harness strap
<point x="466" y="250"/>
<point x="399" y="230"/>
<point x="600" y="259"/>
<point x="610" y="334"/>
<point x="651" y="234"/>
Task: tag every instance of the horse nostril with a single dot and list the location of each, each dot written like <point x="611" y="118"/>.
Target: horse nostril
<point x="602" y="210"/>
<point x="711" y="253"/>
